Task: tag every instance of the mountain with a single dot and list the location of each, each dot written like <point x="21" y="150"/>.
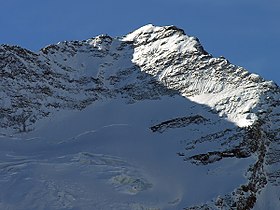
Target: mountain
<point x="147" y="121"/>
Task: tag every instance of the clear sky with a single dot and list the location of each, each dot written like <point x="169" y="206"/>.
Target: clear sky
<point x="246" y="32"/>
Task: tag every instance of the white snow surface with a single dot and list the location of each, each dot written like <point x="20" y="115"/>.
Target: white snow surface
<point x="105" y="157"/>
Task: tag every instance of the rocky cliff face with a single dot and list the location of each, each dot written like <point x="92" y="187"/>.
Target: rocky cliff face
<point x="228" y="114"/>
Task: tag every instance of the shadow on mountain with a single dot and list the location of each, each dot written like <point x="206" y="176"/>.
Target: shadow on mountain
<point x="48" y="90"/>
<point x="232" y="141"/>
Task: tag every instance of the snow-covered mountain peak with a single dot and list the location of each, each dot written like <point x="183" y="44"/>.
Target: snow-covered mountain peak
<point x="171" y="37"/>
<point x="146" y="121"/>
<point x="168" y="55"/>
<point x="229" y="89"/>
<point x="177" y="61"/>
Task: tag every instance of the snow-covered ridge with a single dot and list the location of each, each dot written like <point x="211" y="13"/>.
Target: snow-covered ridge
<point x="180" y="62"/>
<point x="104" y="66"/>
<point x="169" y="37"/>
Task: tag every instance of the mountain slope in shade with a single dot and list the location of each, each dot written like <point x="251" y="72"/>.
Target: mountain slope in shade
<point x="145" y="121"/>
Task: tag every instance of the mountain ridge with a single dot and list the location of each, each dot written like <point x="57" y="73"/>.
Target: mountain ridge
<point x="190" y="43"/>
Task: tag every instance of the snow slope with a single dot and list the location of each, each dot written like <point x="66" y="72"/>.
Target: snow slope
<point x="106" y="157"/>
<point x="204" y="79"/>
<point x="146" y="121"/>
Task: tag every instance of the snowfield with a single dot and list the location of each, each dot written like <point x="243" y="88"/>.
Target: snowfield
<point x="106" y="157"/>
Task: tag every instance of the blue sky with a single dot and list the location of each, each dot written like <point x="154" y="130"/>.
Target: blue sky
<point x="246" y="32"/>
